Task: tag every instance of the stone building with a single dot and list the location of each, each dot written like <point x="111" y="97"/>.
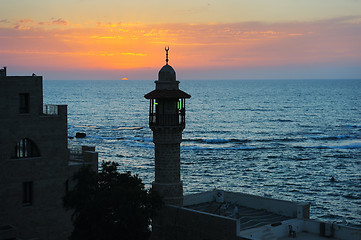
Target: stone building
<point x="35" y="162"/>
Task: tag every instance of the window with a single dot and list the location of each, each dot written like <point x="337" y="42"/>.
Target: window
<point x="27" y="193"/>
<point x="24" y="106"/>
<point x="25" y="148"/>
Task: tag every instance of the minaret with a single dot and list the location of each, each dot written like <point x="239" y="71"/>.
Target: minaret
<point x="167" y="121"/>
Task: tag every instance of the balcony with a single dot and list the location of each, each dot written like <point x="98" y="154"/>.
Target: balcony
<point x="80" y="155"/>
<point x="50" y="109"/>
<point x="171" y="120"/>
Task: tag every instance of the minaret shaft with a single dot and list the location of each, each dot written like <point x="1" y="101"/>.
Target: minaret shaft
<point x="167" y="164"/>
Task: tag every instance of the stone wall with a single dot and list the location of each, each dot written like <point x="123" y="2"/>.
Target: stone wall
<point x="167" y="164"/>
<point x="179" y="223"/>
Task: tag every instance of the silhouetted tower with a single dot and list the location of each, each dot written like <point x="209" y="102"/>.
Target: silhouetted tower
<point x="167" y="121"/>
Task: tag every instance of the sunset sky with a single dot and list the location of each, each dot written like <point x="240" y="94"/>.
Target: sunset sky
<point x="213" y="39"/>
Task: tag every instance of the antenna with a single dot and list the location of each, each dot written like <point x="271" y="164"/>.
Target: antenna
<point x="166" y="50"/>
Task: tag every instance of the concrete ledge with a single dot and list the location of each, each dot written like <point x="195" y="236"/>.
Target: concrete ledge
<point x="281" y="207"/>
<point x="197" y="198"/>
<point x="183" y="223"/>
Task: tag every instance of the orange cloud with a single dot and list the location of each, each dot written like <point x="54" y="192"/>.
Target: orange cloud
<point x="111" y="46"/>
<point x="295" y="34"/>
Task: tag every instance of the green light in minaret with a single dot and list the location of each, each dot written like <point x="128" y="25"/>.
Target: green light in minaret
<point x="179" y="105"/>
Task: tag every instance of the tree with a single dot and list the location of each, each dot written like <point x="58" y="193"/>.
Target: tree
<point x="110" y="205"/>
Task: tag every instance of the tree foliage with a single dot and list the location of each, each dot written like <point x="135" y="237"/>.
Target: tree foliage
<point x="110" y="205"/>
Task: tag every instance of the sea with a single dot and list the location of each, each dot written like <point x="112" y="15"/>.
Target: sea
<point x="284" y="139"/>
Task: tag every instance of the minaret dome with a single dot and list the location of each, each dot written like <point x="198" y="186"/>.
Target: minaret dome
<point x="166" y="74"/>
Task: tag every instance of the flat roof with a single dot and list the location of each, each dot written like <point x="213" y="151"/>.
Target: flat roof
<point x="249" y="217"/>
<point x="261" y="217"/>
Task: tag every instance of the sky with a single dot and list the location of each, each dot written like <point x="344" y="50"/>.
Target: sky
<point x="213" y="39"/>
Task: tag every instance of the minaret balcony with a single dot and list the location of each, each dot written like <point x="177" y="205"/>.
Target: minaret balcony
<point x="167" y="120"/>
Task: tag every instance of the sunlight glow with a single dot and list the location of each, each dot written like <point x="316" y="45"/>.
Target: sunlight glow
<point x="124" y="46"/>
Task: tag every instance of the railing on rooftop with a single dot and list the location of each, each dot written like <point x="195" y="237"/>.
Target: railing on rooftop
<point x="50" y="109"/>
<point x="83" y="155"/>
<point x="75" y="153"/>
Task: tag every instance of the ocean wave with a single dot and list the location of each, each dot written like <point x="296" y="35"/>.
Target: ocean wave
<point x="254" y="109"/>
<point x="86" y="126"/>
<point x="339" y="137"/>
<point x="270" y="140"/>
<point x="299" y="138"/>
<point x="239" y="144"/>
<point x="261" y="110"/>
<point x="128" y="128"/>
<point x="349" y="146"/>
<point x="144" y="144"/>
<point x="139" y="139"/>
<point x="200" y="144"/>
<point x="139" y="144"/>
<point x="352" y="196"/>
<point x="352" y="126"/>
<point x="223" y="131"/>
<point x="129" y="138"/>
<point x="215" y="140"/>
<point x="281" y="120"/>
<point x="96" y="137"/>
<point x="194" y="147"/>
<point x="103" y="127"/>
<point x="315" y="131"/>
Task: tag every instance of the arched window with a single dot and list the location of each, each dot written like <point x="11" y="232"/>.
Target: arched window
<point x="26" y="148"/>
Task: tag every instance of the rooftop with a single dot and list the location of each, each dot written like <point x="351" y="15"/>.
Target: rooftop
<point x="248" y="217"/>
<point x="156" y="94"/>
<point x="256" y="217"/>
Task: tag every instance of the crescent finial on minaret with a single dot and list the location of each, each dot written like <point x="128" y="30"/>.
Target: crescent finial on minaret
<point x="166" y="50"/>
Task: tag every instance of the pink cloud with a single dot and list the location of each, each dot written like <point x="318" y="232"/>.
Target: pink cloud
<point x="19" y="26"/>
<point x="60" y="21"/>
<point x="30" y="23"/>
<point x="26" y="21"/>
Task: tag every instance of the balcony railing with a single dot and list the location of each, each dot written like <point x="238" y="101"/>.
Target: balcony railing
<point x="50" y="109"/>
<point x="76" y="153"/>
<point x="166" y="119"/>
<point x="85" y="154"/>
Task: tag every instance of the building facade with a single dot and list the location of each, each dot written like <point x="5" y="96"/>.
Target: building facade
<point x="35" y="163"/>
